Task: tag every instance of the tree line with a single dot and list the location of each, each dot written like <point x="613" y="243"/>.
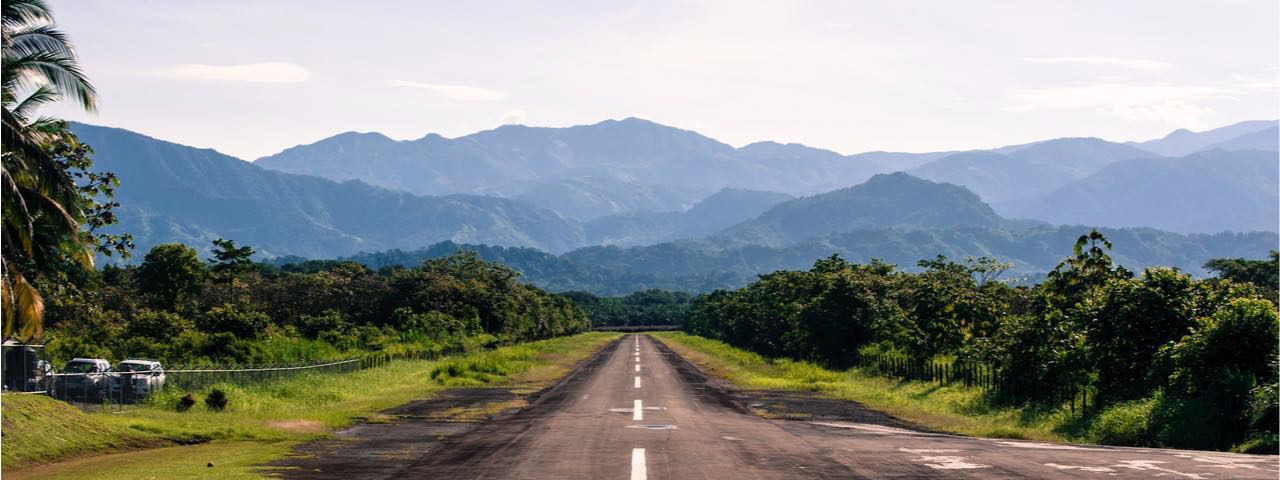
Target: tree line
<point x="651" y="307"/>
<point x="178" y="308"/>
<point x="1198" y="356"/>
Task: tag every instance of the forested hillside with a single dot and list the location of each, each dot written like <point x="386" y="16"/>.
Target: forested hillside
<point x="716" y="212"/>
<point x="887" y="201"/>
<point x="1202" y="192"/>
<point x="175" y="193"/>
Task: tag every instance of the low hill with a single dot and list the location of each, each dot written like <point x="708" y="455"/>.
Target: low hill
<point x="885" y="201"/>
<point x="720" y="210"/>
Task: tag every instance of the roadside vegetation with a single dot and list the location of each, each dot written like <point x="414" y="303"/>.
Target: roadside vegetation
<point x="1163" y="359"/>
<point x="270" y="415"/>
<point x="180" y="309"/>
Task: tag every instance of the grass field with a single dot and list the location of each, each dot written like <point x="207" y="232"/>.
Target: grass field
<point x="271" y="417"/>
<point x="39" y="429"/>
<point x="952" y="409"/>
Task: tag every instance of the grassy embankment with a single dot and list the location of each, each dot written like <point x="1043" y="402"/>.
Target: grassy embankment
<point x="953" y="409"/>
<point x="261" y="421"/>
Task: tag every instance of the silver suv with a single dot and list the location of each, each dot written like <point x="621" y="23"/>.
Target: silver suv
<point x="83" y="379"/>
<point x="136" y="378"/>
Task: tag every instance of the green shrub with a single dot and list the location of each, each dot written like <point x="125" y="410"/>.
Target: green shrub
<point x="1125" y="423"/>
<point x="216" y="401"/>
<point x="186" y="402"/>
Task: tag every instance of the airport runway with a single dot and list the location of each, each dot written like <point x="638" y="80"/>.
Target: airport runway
<point x="639" y="411"/>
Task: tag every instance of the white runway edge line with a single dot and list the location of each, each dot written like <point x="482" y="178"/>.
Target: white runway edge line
<point x="637" y="413"/>
<point x="637" y="382"/>
<point x="638" y="470"/>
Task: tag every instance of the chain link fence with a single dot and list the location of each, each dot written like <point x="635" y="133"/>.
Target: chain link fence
<point x="100" y="387"/>
<point x="121" y="390"/>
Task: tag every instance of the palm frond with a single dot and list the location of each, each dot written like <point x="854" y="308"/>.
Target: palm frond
<point x="23" y="308"/>
<point x="17" y="13"/>
<point x="35" y="100"/>
<point x="60" y="72"/>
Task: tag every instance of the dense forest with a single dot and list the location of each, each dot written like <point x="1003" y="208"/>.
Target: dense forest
<point x="1196" y="358"/>
<point x="178" y="308"/>
<point x="645" y="308"/>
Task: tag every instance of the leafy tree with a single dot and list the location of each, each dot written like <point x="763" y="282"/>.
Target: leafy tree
<point x="229" y="261"/>
<point x="170" y="274"/>
<point x="1213" y="392"/>
<point x="1265" y="274"/>
<point x="237" y="321"/>
<point x="1130" y="321"/>
<point x="158" y="326"/>
<point x="50" y="200"/>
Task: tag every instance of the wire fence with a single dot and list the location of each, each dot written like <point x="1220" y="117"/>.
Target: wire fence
<point x="117" y="391"/>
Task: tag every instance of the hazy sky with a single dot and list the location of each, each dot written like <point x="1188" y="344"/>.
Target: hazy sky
<point x="251" y="78"/>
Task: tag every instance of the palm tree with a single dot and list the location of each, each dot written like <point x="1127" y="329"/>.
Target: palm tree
<point x="43" y="208"/>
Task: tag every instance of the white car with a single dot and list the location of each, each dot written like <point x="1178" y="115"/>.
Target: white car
<point x="136" y="378"/>
<point x="83" y="379"/>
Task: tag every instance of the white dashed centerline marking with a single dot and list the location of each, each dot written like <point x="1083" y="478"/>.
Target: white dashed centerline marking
<point x="637" y="413"/>
<point x="637" y="368"/>
<point x="637" y="359"/>
<point x="637" y="381"/>
<point x="638" y="470"/>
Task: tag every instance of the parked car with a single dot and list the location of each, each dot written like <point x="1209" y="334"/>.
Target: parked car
<point x="83" y="379"/>
<point x="136" y="378"/>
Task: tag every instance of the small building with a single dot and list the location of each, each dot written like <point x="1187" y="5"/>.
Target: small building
<point x="23" y="367"/>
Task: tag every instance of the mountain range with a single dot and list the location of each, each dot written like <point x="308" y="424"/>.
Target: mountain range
<point x="633" y="168"/>
<point x="644" y="212"/>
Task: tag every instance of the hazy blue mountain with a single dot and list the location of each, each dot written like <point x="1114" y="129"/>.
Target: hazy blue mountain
<point x="884" y="201"/>
<point x="800" y="170"/>
<point x="590" y="197"/>
<point x="171" y="192"/>
<point x="1184" y="142"/>
<point x="1267" y="139"/>
<point x="1205" y="192"/>
<point x="547" y="165"/>
<point x="513" y="158"/>
<point x="718" y="211"/>
<point x="1027" y="170"/>
<point x="899" y="161"/>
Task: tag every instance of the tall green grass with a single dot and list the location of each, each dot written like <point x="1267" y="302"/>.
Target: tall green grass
<point x="950" y="408"/>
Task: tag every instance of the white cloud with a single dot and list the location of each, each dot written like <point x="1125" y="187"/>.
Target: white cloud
<point x="1131" y="63"/>
<point x="454" y="92"/>
<point x="514" y="116"/>
<point x="270" y="72"/>
<point x="1170" y="104"/>
<point x="1172" y="112"/>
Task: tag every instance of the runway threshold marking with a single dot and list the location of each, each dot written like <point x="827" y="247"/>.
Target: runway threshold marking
<point x="638" y="470"/>
<point x="637" y="412"/>
<point x="637" y="381"/>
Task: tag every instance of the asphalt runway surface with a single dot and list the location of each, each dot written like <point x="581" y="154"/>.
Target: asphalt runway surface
<point x="636" y="410"/>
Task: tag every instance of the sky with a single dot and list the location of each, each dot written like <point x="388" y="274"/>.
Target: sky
<point x="251" y="78"/>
